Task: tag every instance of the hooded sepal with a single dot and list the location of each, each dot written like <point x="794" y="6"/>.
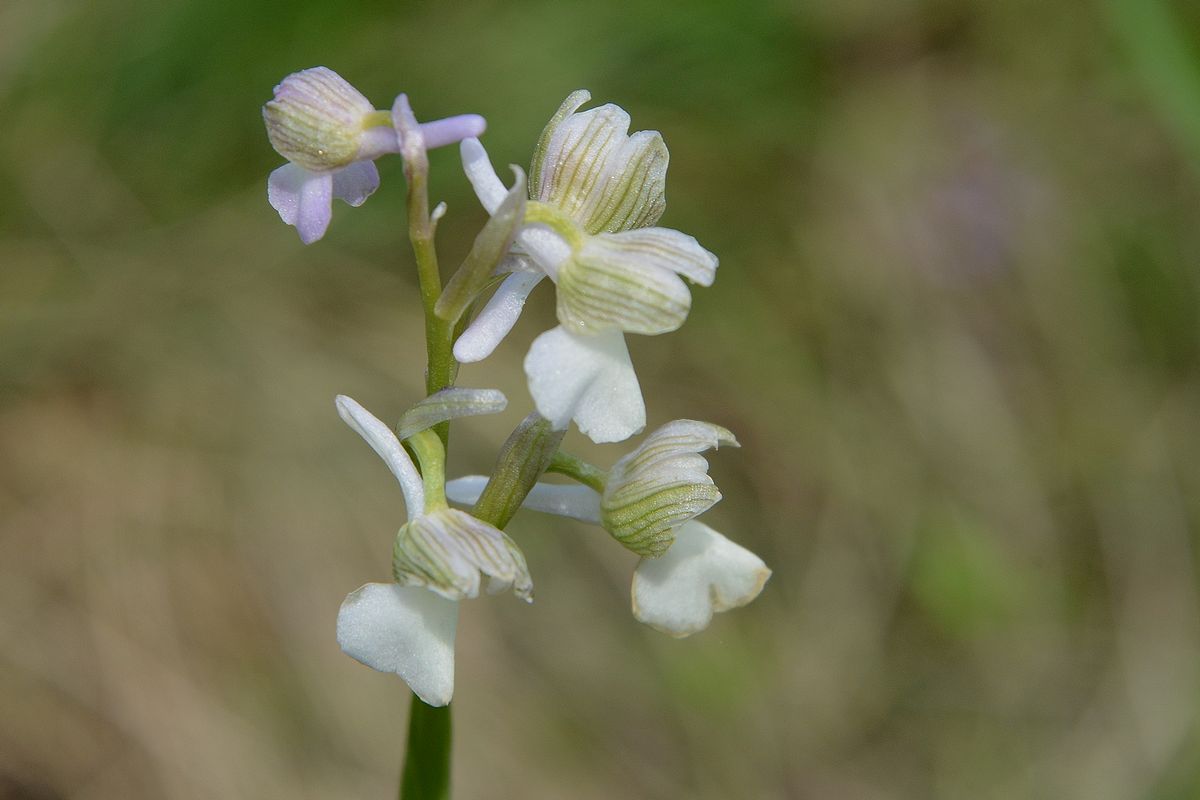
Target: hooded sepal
<point x="661" y="485"/>
<point x="587" y="165"/>
<point x="447" y="551"/>
<point x="317" y="119"/>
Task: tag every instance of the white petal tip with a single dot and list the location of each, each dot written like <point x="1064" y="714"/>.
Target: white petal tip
<point x="471" y="349"/>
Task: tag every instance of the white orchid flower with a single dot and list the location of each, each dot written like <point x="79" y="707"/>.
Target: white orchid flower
<point x="440" y="556"/>
<point x="649" y="502"/>
<point x="331" y="135"/>
<point x="595" y="193"/>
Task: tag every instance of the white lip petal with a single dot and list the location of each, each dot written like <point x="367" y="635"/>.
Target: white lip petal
<point x="589" y="379"/>
<point x="703" y="573"/>
<point x="564" y="500"/>
<point x="405" y="630"/>
<point x="283" y="190"/>
<point x="384" y="442"/>
<point x="488" y="329"/>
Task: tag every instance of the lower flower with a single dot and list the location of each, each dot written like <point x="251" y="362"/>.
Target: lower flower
<point x="649" y="501"/>
<point x="441" y="555"/>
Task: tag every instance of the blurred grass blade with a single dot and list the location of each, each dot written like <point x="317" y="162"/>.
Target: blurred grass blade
<point x="1157" y="43"/>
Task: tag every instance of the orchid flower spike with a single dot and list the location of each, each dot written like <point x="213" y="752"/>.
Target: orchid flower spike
<point x="439" y="557"/>
<point x="648" y="502"/>
<point x="331" y="134"/>
<point x="595" y="193"/>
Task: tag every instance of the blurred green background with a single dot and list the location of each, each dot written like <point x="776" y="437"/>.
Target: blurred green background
<point x="955" y="329"/>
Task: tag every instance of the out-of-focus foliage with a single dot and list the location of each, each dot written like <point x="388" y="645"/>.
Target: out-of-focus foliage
<point x="955" y="330"/>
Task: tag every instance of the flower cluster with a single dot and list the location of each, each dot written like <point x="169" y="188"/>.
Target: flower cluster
<point x="586" y="219"/>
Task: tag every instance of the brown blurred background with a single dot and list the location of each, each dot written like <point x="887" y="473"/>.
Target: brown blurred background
<point x="955" y="329"/>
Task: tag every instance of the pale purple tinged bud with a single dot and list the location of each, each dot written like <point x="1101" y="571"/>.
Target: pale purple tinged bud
<point x="316" y="119"/>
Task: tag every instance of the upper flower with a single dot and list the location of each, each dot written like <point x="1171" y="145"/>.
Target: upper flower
<point x="330" y="134"/>
<point x="595" y="192"/>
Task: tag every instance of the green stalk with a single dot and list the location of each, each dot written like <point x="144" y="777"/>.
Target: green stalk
<point x="426" y="772"/>
<point x="525" y="456"/>
<point x="441" y="366"/>
<point x="574" y="467"/>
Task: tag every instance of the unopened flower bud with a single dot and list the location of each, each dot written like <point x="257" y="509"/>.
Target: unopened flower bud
<point x="317" y="119"/>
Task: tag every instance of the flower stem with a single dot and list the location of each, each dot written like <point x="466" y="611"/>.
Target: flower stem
<point x="574" y="467"/>
<point x="426" y="773"/>
<point x="441" y="366"/>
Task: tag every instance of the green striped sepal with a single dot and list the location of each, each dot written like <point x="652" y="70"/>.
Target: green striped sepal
<point x="316" y="119"/>
<point x="661" y="485"/>
<point x="448" y="551"/>
<point x="587" y="165"/>
<point x="631" y="281"/>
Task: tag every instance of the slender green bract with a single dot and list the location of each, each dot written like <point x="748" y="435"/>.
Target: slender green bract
<point x="490" y="246"/>
<point x="523" y="458"/>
